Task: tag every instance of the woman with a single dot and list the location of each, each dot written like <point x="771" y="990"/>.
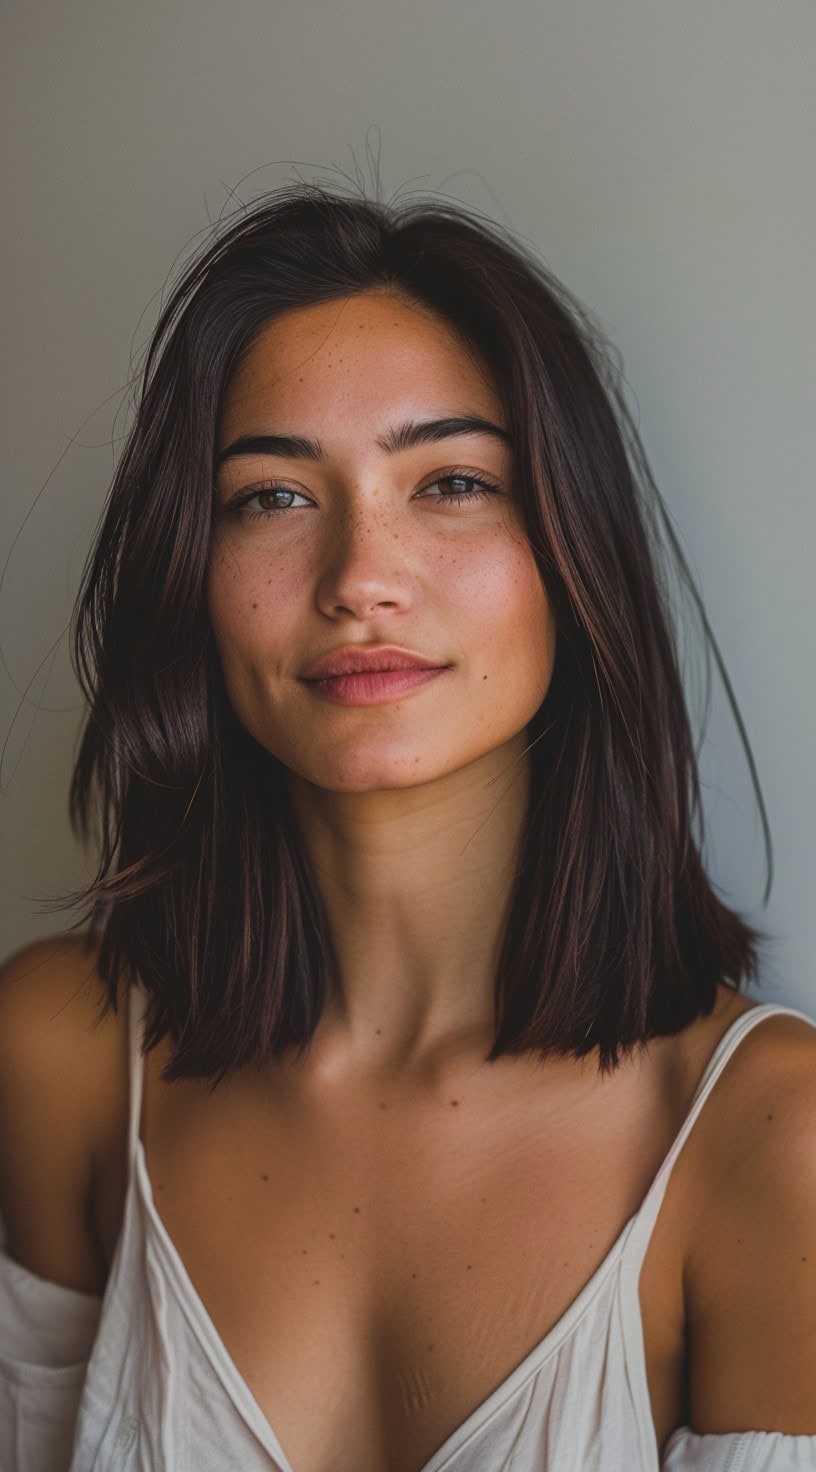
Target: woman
<point x="349" y="1136"/>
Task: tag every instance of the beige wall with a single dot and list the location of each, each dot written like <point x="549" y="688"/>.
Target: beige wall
<point x="658" y="155"/>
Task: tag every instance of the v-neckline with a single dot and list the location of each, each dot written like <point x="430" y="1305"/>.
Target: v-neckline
<point x="233" y="1381"/>
<point x="244" y="1401"/>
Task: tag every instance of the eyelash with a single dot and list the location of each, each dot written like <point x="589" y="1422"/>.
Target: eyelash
<point x="238" y="507"/>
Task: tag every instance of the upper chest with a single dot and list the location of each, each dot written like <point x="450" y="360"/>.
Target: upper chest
<point x="404" y="1254"/>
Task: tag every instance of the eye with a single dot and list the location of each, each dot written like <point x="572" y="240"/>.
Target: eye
<point x="469" y="488"/>
<point x="240" y="505"/>
<point x="482" y="486"/>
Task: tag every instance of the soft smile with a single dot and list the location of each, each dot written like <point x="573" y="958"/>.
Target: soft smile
<point x="372" y="687"/>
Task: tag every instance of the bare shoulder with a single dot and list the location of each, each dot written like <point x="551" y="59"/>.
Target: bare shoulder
<point x="62" y="1077"/>
<point x="750" y="1274"/>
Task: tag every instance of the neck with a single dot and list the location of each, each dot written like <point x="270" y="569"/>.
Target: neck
<point x="415" y="883"/>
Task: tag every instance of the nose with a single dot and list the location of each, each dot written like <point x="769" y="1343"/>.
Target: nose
<point x="364" y="567"/>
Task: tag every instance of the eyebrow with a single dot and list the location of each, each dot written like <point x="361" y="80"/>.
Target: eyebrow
<point x="399" y="437"/>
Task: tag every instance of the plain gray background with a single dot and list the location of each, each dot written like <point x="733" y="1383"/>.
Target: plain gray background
<point x="660" y="159"/>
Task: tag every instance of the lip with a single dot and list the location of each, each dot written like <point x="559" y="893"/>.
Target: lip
<point x="373" y="687"/>
<point x="355" y="659"/>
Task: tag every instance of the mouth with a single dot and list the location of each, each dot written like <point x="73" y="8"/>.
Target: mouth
<point x="355" y="659"/>
<point x="373" y="687"/>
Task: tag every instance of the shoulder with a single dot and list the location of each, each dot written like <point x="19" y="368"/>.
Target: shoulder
<point x="53" y="1024"/>
<point x="750" y="1272"/>
<point x="62" y="1070"/>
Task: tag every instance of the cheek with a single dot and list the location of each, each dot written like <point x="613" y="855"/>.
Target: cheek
<point x="505" y="608"/>
<point x="249" y="602"/>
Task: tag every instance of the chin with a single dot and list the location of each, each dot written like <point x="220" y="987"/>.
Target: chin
<point x="360" y="770"/>
<point x="370" y="776"/>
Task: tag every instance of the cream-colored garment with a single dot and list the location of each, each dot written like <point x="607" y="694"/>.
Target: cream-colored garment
<point x="140" y="1381"/>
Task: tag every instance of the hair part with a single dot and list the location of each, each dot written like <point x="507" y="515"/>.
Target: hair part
<point x="204" y="892"/>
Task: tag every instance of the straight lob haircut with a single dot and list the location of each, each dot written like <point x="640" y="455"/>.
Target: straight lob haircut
<point x="204" y="892"/>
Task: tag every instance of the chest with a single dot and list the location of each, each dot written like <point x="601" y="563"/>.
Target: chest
<point x="377" y="1267"/>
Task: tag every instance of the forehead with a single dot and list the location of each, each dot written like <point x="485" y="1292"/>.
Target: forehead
<point x="361" y="358"/>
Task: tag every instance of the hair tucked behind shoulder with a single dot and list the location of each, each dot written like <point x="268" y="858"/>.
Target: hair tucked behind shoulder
<point x="203" y="890"/>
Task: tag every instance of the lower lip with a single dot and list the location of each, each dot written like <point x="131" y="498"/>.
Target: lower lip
<point x="372" y="689"/>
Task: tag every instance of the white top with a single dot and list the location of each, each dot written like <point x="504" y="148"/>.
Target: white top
<point x="139" y="1380"/>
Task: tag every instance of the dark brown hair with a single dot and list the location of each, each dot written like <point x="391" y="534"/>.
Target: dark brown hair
<point x="204" y="891"/>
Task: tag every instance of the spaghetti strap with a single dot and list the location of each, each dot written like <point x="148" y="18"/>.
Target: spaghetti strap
<point x="162" y="1390"/>
<point x="137" y="1004"/>
<point x="644" y="1221"/>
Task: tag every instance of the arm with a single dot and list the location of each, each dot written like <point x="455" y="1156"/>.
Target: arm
<point x="750" y="1275"/>
<point x="50" y="1269"/>
<point x="50" y="1076"/>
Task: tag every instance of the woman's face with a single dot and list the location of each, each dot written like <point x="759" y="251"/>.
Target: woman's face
<point x="362" y="544"/>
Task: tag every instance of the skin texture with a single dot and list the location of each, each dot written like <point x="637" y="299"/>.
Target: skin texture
<point x="411" y="810"/>
<point x="391" y="1220"/>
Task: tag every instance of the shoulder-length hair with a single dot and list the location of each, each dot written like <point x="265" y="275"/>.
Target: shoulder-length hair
<point x="204" y="891"/>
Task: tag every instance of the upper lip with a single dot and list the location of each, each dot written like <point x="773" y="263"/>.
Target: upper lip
<point x="352" y="659"/>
